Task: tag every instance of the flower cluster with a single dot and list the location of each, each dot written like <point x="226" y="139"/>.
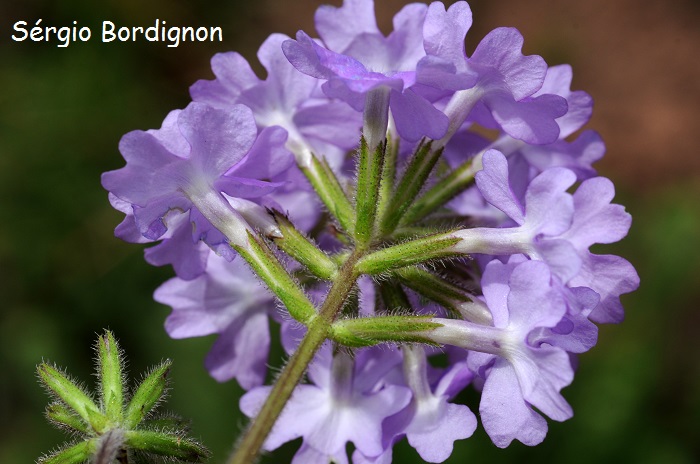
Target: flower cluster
<point x="255" y="183"/>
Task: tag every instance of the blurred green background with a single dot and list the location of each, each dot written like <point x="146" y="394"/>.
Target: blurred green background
<point x="63" y="277"/>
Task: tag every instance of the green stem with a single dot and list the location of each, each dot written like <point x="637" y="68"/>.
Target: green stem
<point x="318" y="330"/>
<point x="331" y="193"/>
<point x="417" y="172"/>
<point x="442" y="192"/>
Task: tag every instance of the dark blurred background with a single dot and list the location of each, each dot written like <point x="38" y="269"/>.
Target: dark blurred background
<point x="63" y="277"/>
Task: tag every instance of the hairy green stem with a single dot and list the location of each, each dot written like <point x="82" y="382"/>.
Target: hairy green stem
<point x="442" y="192"/>
<point x="318" y="330"/>
<point x="331" y="193"/>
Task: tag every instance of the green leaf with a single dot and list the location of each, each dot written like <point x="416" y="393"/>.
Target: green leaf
<point x="166" y="444"/>
<point x="111" y="378"/>
<point x="148" y="394"/>
<point x="60" y="386"/>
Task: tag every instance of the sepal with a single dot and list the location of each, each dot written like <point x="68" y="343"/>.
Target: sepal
<point x="110" y="364"/>
<point x="74" y="453"/>
<point x="270" y="270"/>
<point x="369" y="176"/>
<point x="452" y="297"/>
<point x="369" y="331"/>
<point x="419" y="168"/>
<point x="106" y="436"/>
<point x="166" y="444"/>
<point x="417" y="251"/>
<point x="59" y="415"/>
<point x="443" y="191"/>
<point x="62" y="388"/>
<point x="331" y="193"/>
<point x="303" y="249"/>
<point x="148" y="394"/>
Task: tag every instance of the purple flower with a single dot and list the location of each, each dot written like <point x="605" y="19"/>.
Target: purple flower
<point x="559" y="228"/>
<point x="496" y="86"/>
<point x="509" y="81"/>
<point x="520" y="370"/>
<point x="346" y="403"/>
<point x="177" y="248"/>
<point x="430" y="422"/>
<point x="199" y="154"/>
<point x="596" y="220"/>
<point x="578" y="155"/>
<point x="557" y="81"/>
<point x="357" y="59"/>
<point x="528" y="372"/>
<point x="547" y="213"/>
<point x="228" y="300"/>
<point x="444" y="31"/>
<point x="286" y="98"/>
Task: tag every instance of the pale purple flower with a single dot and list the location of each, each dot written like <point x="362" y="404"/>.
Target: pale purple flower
<point x="430" y="422"/>
<point x="596" y="220"/>
<point x="547" y="212"/>
<point x="188" y="256"/>
<point x="308" y="455"/>
<point x="528" y="372"/>
<point x="557" y="81"/>
<point x="228" y="300"/>
<point x="286" y="98"/>
<point x="558" y="228"/>
<point x="496" y="86"/>
<point x="356" y="58"/>
<point x="578" y="155"/>
<point x="384" y="458"/>
<point x="347" y="402"/>
<point x="520" y="370"/>
<point x="574" y="333"/>
<point x="445" y="65"/>
<point x="509" y="80"/>
<point x="198" y="155"/>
